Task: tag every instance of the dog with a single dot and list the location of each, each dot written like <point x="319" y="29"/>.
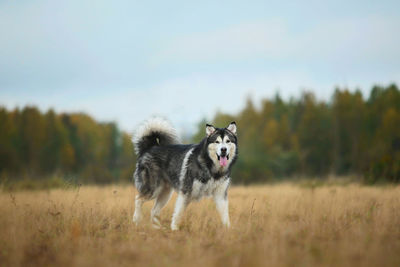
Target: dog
<point x="194" y="171"/>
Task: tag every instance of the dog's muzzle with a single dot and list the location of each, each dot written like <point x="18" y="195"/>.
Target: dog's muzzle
<point x="223" y="152"/>
<point x="223" y="157"/>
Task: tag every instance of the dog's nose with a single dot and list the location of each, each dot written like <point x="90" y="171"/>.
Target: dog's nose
<point x="223" y="150"/>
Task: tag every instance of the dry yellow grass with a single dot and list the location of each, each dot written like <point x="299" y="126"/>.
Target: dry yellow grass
<point x="279" y="225"/>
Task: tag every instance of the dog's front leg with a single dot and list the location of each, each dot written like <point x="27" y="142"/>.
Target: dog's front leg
<point x="180" y="205"/>
<point x="223" y="209"/>
<point x="137" y="216"/>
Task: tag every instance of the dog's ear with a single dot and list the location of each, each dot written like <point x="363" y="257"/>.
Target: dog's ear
<point x="209" y="129"/>
<point x="232" y="127"/>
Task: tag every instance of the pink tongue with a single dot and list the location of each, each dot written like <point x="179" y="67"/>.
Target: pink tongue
<point x="223" y="161"/>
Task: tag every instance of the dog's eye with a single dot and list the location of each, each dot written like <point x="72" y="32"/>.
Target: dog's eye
<point x="228" y="141"/>
<point x="217" y="142"/>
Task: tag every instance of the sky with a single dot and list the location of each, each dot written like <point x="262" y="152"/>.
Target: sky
<point x="125" y="61"/>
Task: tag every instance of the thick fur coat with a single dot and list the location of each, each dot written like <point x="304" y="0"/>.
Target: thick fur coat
<point x="193" y="171"/>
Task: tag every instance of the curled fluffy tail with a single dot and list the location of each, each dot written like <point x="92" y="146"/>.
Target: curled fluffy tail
<point x="154" y="132"/>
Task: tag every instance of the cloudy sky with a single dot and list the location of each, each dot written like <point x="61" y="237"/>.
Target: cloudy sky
<point x="126" y="60"/>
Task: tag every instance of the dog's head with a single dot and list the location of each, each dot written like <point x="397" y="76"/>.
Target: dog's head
<point x="222" y="145"/>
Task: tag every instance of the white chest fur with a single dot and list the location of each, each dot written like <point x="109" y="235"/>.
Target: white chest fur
<point x="211" y="188"/>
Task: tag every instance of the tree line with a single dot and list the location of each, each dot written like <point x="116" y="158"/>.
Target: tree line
<point x="37" y="145"/>
<point x="349" y="135"/>
<point x="278" y="139"/>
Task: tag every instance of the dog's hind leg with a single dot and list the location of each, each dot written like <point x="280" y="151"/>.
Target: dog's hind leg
<point x="161" y="200"/>
<point x="180" y="205"/>
<point x="137" y="216"/>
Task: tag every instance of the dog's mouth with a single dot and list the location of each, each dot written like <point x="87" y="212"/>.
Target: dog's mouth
<point x="223" y="160"/>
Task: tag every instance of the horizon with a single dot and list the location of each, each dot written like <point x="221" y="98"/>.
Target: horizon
<point x="189" y="132"/>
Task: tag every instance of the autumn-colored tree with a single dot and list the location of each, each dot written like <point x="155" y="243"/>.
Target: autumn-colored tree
<point x="315" y="137"/>
<point x="349" y="114"/>
<point x="36" y="145"/>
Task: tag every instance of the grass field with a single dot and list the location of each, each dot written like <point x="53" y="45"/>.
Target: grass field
<point x="277" y="225"/>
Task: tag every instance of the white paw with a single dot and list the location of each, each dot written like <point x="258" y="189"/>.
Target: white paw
<point x="155" y="222"/>
<point x="174" y="227"/>
<point x="227" y="224"/>
<point x="136" y="219"/>
<point x="156" y="226"/>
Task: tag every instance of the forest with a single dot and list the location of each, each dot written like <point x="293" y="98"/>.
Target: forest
<point x="73" y="147"/>
<point x="350" y="134"/>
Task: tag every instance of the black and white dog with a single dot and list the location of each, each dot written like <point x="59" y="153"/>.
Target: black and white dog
<point x="193" y="171"/>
